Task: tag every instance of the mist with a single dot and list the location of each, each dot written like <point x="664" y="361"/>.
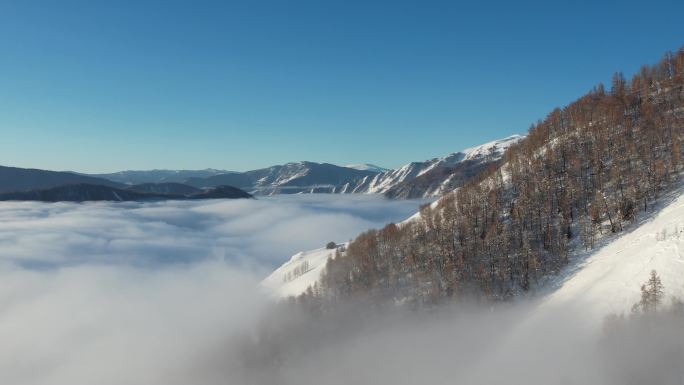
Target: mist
<point x="167" y="293"/>
<point x="467" y="344"/>
<point x="261" y="234"/>
<point x="148" y="293"/>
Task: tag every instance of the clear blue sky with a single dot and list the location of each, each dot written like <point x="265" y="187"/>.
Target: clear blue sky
<point x="100" y="86"/>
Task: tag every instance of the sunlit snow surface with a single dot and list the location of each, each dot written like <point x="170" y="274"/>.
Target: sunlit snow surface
<point x="601" y="281"/>
<point x="280" y="285"/>
<point x="608" y="279"/>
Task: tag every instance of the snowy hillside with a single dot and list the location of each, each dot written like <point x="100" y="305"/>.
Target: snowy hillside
<point x="132" y="177"/>
<point x="426" y="179"/>
<point x="301" y="271"/>
<point x="608" y="279"/>
<point x="602" y="281"/>
<point x="289" y="178"/>
<point x="494" y="148"/>
<point x="433" y="177"/>
<point x="489" y="150"/>
<point x="367" y="167"/>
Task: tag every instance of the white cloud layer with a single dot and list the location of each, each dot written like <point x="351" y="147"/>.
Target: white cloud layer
<point x="262" y="233"/>
<point x="166" y="294"/>
<point x="129" y="293"/>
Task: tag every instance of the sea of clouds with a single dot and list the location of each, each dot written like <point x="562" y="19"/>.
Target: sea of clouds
<point x="259" y="234"/>
<point x="167" y="293"/>
<point x="146" y="293"/>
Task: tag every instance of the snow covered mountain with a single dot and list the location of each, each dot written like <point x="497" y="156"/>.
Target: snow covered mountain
<point x="433" y="177"/>
<point x="83" y="192"/>
<point x="602" y="281"/>
<point x="302" y="271"/>
<point x="164" y="188"/>
<point x="14" y="179"/>
<point x="132" y="177"/>
<point x="290" y="178"/>
<point x="424" y="179"/>
<point x="367" y="167"/>
<point x="607" y="280"/>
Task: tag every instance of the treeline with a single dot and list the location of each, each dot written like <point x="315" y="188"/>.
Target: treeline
<point x="585" y="170"/>
<point x="297" y="272"/>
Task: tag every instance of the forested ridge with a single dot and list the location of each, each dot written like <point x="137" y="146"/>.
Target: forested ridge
<point x="584" y="171"/>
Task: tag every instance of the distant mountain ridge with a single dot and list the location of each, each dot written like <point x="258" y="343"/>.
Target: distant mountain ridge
<point x="290" y="178"/>
<point x="84" y="192"/>
<point x="164" y="188"/>
<point x="14" y="179"/>
<point x="132" y="177"/>
<point x="424" y="179"/>
<point x="367" y="167"/>
<point x="432" y="178"/>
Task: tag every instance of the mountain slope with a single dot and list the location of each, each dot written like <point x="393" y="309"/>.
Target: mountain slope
<point x="602" y="281"/>
<point x="425" y="179"/>
<point x="21" y="179"/>
<point x="164" y="188"/>
<point x="88" y="192"/>
<point x="302" y="271"/>
<point x="78" y="193"/>
<point x="607" y="280"/>
<point x="367" y="167"/>
<point x="290" y="178"/>
<point x="221" y="192"/>
<point x="436" y="176"/>
<point x="596" y="167"/>
<point x="133" y="177"/>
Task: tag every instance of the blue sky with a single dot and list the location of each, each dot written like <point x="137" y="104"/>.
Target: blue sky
<point x="99" y="86"/>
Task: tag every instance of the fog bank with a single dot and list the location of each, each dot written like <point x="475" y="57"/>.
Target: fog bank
<point x="166" y="294"/>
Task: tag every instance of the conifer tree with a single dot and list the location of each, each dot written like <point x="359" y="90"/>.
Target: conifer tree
<point x="651" y="293"/>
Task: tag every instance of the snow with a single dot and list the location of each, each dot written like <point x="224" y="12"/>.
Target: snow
<point x="383" y="182"/>
<point x="367" y="167"/>
<point x="380" y="183"/>
<point x="608" y="280"/>
<point x="277" y="284"/>
<point x="602" y="281"/>
<point x="496" y="147"/>
<point x="296" y="170"/>
<point x="448" y="160"/>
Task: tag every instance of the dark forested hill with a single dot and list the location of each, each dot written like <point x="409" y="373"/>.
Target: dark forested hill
<point x="83" y="192"/>
<point x="164" y="188"/>
<point x="137" y="177"/>
<point x="22" y="179"/>
<point x="587" y="169"/>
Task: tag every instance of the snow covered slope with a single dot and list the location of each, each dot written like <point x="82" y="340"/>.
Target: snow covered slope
<point x="367" y="167"/>
<point x="433" y="177"/>
<point x="494" y="148"/>
<point x="608" y="280"/>
<point x="424" y="179"/>
<point x="601" y="281"/>
<point x="133" y="177"/>
<point x="289" y="178"/>
<point x="301" y="271"/>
